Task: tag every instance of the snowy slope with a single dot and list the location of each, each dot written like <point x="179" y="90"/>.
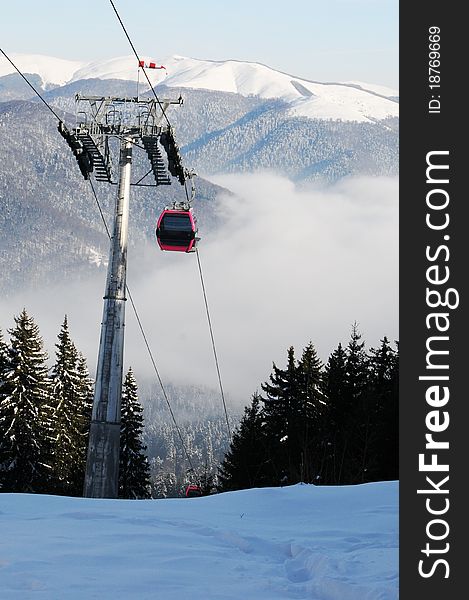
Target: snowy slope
<point x="302" y="542"/>
<point x="122" y="67"/>
<point x="307" y="98"/>
<point x="345" y="101"/>
<point x="342" y="102"/>
<point x="377" y="89"/>
<point x="53" y="71"/>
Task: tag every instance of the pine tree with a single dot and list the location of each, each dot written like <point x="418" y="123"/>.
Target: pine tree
<point x="356" y="367"/>
<point x="67" y="414"/>
<point x="207" y="482"/>
<point x="337" y="416"/>
<point x="280" y="405"/>
<point x="85" y="391"/>
<point x="357" y="434"/>
<point x="22" y="420"/>
<point x="3" y="364"/>
<point x="384" y="389"/>
<point x="308" y="425"/>
<point x="246" y="463"/>
<point x="159" y="488"/>
<point x="3" y="436"/>
<point x="134" y="470"/>
<point x="3" y="357"/>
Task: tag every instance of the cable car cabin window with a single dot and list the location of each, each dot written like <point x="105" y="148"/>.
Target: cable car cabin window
<point x="176" y="223"/>
<point x="175" y="229"/>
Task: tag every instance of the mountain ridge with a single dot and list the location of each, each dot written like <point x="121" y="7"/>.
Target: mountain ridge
<point x="348" y="101"/>
<point x="217" y="131"/>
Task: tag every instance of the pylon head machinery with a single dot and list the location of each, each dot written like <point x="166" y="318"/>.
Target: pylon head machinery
<point x="144" y="120"/>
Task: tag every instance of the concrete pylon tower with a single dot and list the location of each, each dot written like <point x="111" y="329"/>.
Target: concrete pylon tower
<point x="102" y="467"/>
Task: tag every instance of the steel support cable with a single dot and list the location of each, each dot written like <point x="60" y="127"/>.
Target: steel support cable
<point x="31" y="86"/>
<point x="152" y="89"/>
<point x="103" y="218"/>
<point x="145" y="339"/>
<point x="213" y="343"/>
<point x="139" y="61"/>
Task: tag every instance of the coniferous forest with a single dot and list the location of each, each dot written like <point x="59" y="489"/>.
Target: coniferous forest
<point x="45" y="417"/>
<point x="326" y="424"/>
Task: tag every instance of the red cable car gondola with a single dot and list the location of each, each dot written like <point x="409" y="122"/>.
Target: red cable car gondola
<point x="193" y="491"/>
<point x="176" y="230"/>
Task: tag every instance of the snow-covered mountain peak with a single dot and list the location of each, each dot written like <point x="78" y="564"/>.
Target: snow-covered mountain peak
<point x="53" y="71"/>
<point x="122" y="67"/>
<point x="351" y="101"/>
<point x="344" y="101"/>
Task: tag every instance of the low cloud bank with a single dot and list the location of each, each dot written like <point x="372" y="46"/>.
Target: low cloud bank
<point x="286" y="266"/>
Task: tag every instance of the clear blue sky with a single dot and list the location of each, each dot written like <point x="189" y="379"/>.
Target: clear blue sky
<point x="326" y="40"/>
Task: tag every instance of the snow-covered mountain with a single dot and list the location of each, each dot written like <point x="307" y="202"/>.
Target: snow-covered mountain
<point x="52" y="71"/>
<point x="237" y="117"/>
<point x="350" y="101"/>
<point x="305" y="98"/>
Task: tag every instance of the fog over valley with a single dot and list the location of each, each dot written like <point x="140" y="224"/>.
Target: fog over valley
<point x="285" y="265"/>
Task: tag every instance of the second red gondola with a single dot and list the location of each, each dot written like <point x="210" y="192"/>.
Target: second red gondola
<point x="193" y="491"/>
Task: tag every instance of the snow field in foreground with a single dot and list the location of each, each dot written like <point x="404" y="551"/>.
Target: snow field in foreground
<point x="302" y="541"/>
